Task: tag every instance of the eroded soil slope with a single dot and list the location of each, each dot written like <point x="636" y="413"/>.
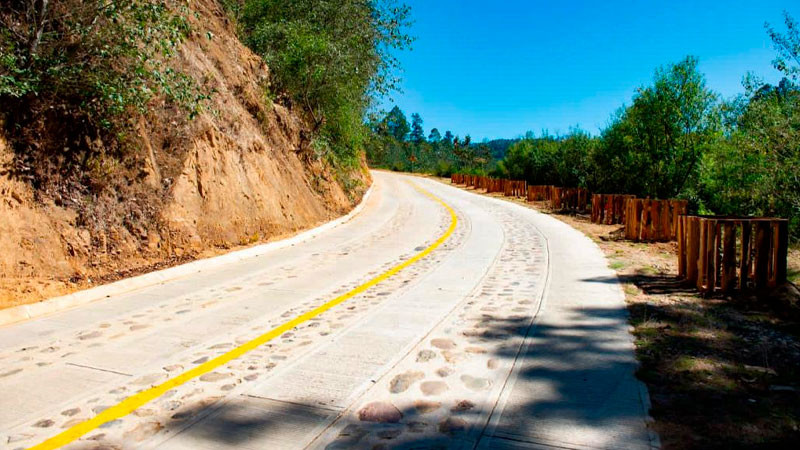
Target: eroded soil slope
<point x="240" y="173"/>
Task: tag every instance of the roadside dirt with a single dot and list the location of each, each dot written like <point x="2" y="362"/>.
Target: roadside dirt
<point x="722" y="372"/>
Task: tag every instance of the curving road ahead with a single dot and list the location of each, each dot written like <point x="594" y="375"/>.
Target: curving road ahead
<point x="434" y="318"/>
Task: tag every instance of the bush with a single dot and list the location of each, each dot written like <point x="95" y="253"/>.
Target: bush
<point x="92" y="64"/>
<point x="331" y="57"/>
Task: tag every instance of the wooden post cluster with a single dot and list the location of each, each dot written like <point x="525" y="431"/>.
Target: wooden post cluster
<point x="609" y="208"/>
<point x="572" y="199"/>
<point x="494" y="185"/>
<point x="719" y="253"/>
<point x="514" y="188"/>
<point x="652" y="220"/>
<point x="539" y="193"/>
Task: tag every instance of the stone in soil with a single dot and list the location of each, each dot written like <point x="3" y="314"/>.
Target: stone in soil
<point x="445" y="371"/>
<point x="426" y="355"/>
<point x="70" y="412"/>
<point x="433" y="387"/>
<point x="475" y="350"/>
<point x="452" y="357"/>
<point x="92" y="335"/>
<point x="426" y="406"/>
<point x="462" y="405"/>
<point x="475" y="383"/>
<point x="402" y="382"/>
<point x="44" y="423"/>
<point x="214" y="376"/>
<point x="444" y="344"/>
<point x="380" y="412"/>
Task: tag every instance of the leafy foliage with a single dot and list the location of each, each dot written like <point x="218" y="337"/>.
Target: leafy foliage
<point x="75" y="76"/>
<point x="417" y="133"/>
<point x="737" y="157"/>
<point x="101" y="57"/>
<point x="660" y="136"/>
<point x="332" y="58"/>
<point x="398" y="146"/>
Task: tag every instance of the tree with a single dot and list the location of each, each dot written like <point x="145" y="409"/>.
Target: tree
<point x="75" y="75"/>
<point x="448" y="138"/>
<point x="653" y="147"/>
<point x="396" y="124"/>
<point x="332" y="58"/>
<point x="417" y="133"/>
<point x="788" y="47"/>
<point x="435" y="136"/>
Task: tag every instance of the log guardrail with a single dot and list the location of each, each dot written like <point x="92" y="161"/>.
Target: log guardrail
<point x="538" y="193"/>
<point x="515" y="188"/>
<point x="609" y="208"/>
<point x="723" y="253"/>
<point x="571" y="199"/>
<point x="652" y="220"/>
<point x="494" y="185"/>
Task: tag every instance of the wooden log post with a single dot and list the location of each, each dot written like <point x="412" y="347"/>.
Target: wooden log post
<point x="781" y="252"/>
<point x="728" y="280"/>
<point x="692" y="248"/>
<point x="762" y="257"/>
<point x="722" y="254"/>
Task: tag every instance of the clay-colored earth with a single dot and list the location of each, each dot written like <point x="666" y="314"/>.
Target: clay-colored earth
<point x="241" y="174"/>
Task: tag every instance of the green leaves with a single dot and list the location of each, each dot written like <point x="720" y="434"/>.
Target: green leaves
<point x="331" y="57"/>
<point x="659" y="137"/>
<point x="104" y="58"/>
<point x="788" y="47"/>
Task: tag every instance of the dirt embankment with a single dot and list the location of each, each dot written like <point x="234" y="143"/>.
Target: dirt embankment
<point x="239" y="174"/>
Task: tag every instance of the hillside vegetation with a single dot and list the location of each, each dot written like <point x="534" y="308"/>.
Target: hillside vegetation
<point x="140" y="133"/>
<point x="677" y="138"/>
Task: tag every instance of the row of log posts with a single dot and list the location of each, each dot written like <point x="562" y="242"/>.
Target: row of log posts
<point x="732" y="253"/>
<point x="540" y="193"/>
<point x="652" y="220"/>
<point x="609" y="208"/>
<point x="715" y="253"/>
<point x="515" y="188"/>
<point x="572" y="199"/>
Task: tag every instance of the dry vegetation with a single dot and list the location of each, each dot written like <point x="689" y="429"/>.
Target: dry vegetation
<point x="722" y="372"/>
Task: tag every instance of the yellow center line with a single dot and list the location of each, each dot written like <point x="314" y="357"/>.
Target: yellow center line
<point x="138" y="400"/>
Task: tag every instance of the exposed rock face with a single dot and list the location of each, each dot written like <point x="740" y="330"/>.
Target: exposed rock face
<point x="238" y="174"/>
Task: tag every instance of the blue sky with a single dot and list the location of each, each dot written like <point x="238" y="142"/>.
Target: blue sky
<point x="498" y="69"/>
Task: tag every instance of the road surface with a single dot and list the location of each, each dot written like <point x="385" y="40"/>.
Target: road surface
<point x="434" y="318"/>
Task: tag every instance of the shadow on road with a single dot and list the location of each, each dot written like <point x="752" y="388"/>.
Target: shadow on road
<point x="571" y="380"/>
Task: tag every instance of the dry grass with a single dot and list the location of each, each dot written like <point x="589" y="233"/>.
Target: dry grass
<point x="722" y="372"/>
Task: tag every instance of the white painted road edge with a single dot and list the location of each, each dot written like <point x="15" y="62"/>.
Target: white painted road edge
<point x="57" y="304"/>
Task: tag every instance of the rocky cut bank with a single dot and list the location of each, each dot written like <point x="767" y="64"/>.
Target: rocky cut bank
<point x="241" y="172"/>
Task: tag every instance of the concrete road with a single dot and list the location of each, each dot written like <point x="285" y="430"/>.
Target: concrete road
<point x="493" y="327"/>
